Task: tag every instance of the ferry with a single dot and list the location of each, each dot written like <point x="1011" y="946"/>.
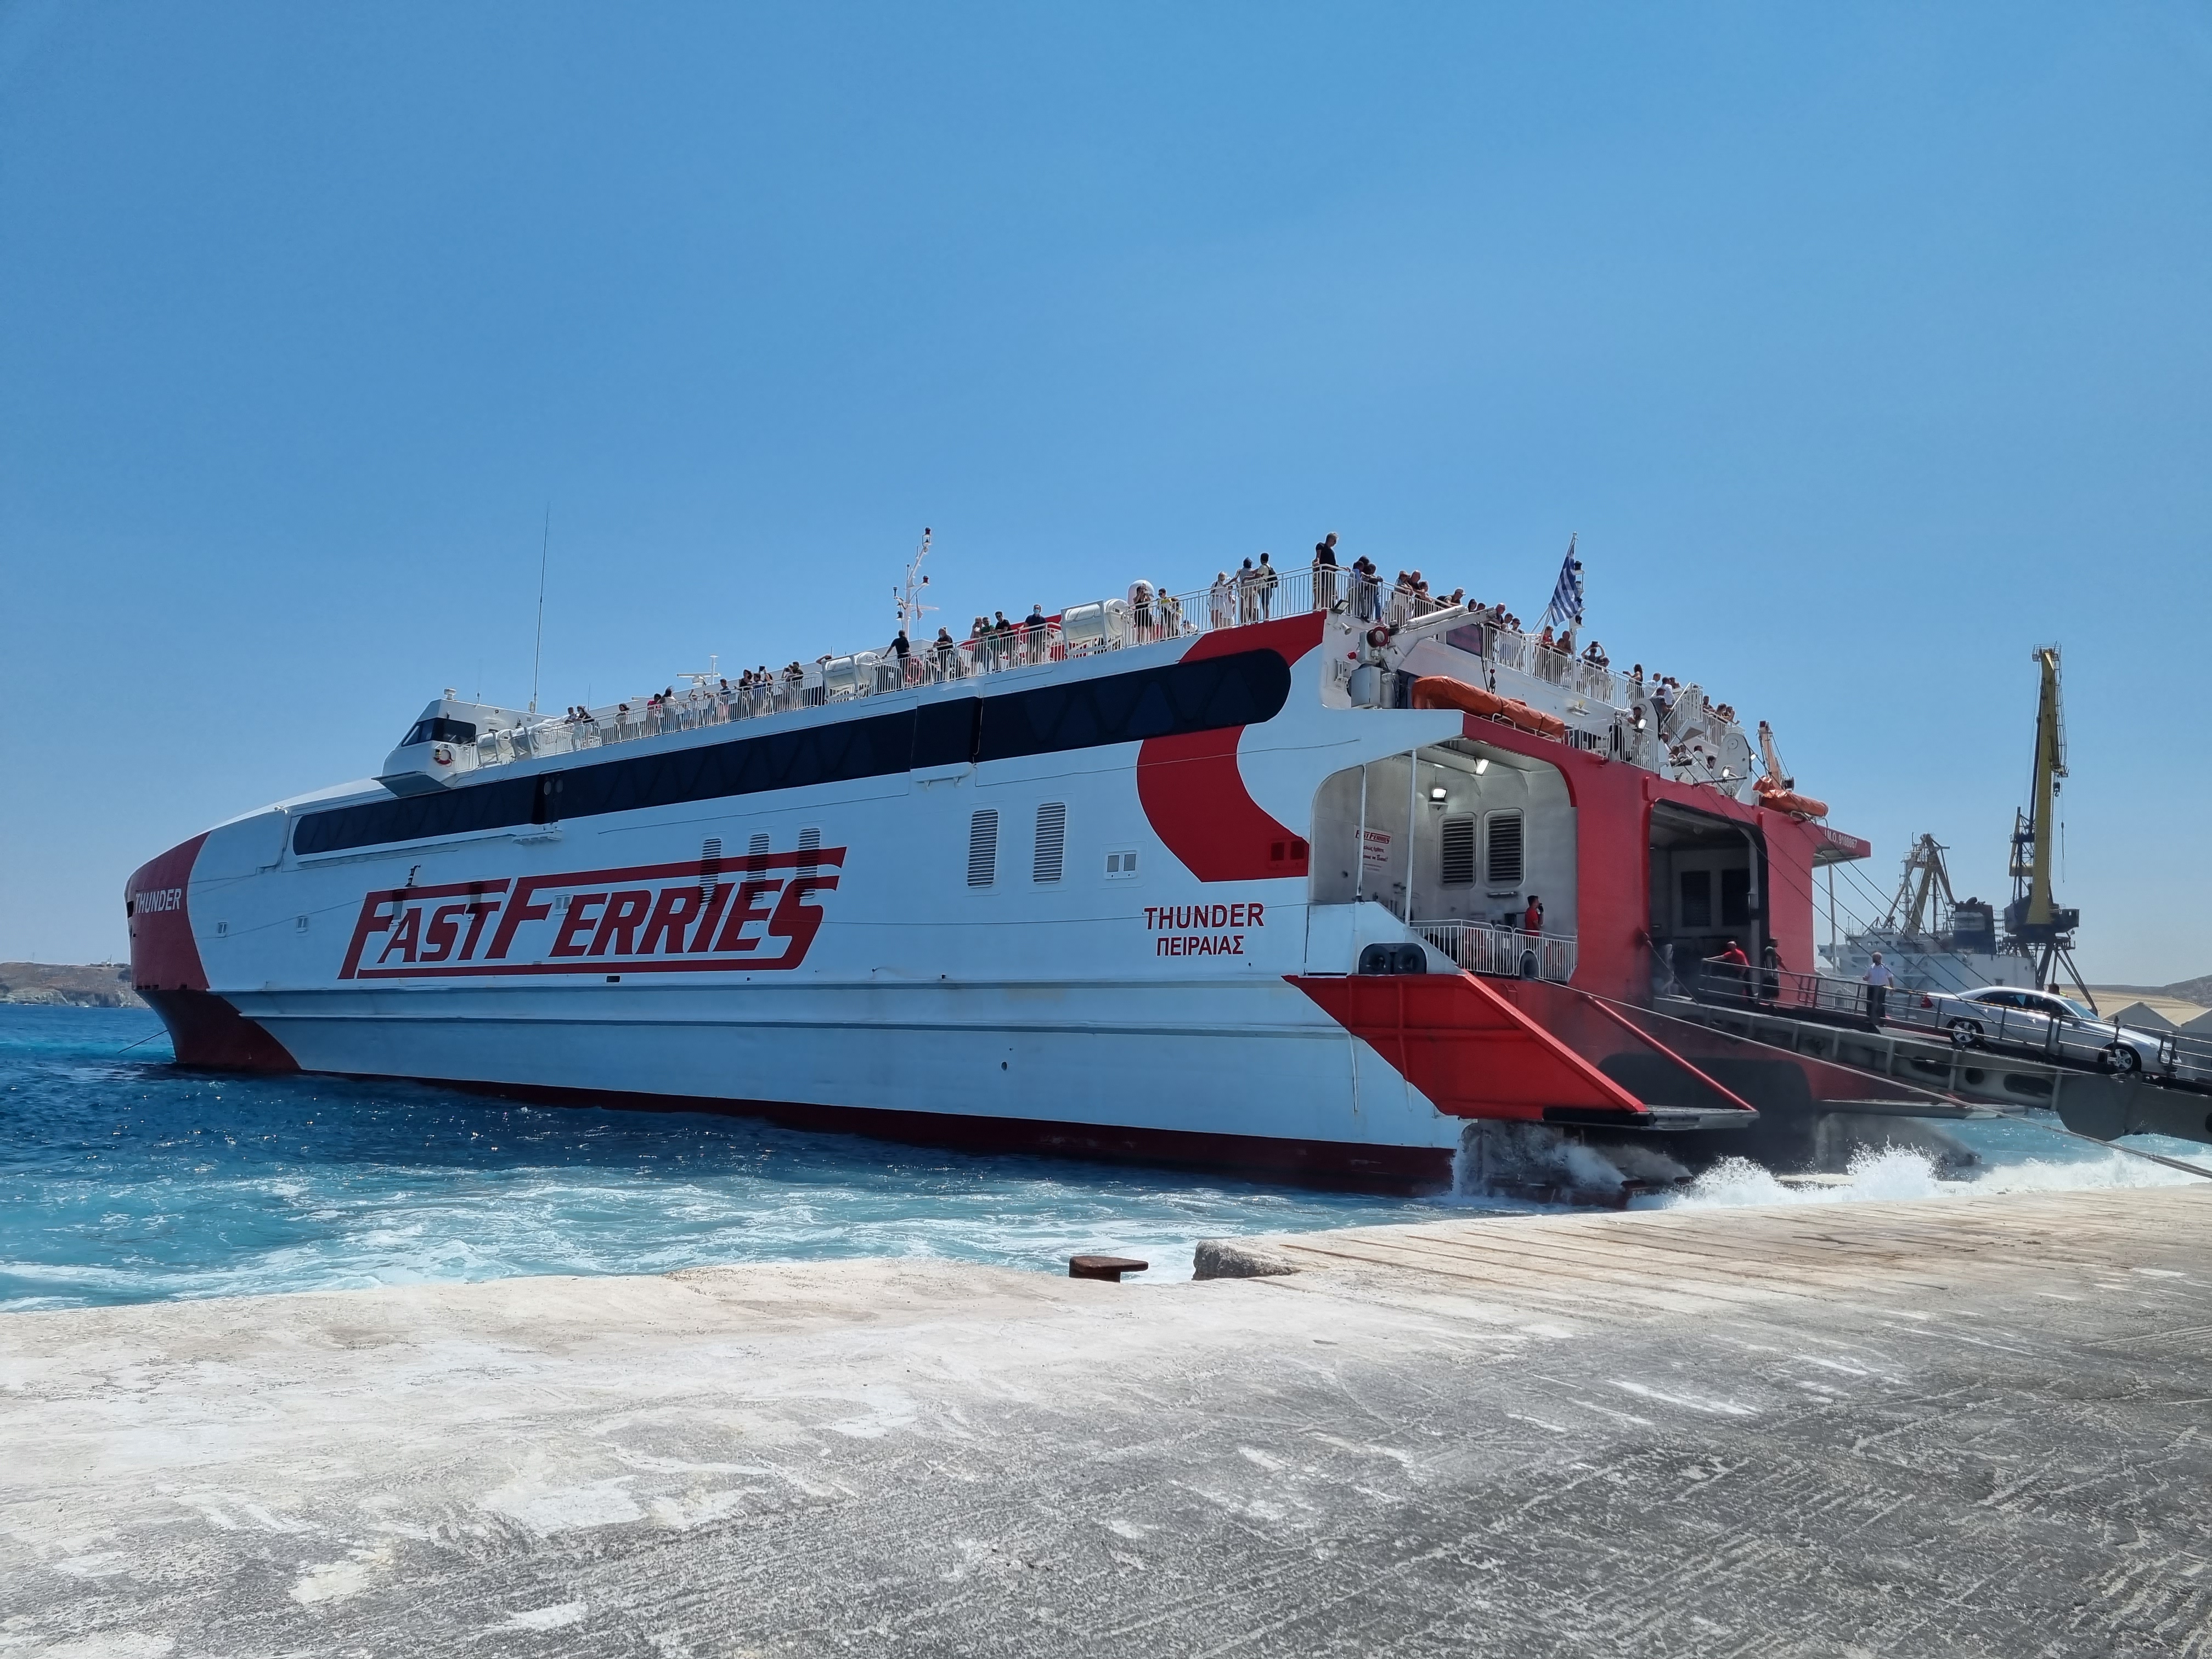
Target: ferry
<point x="1299" y="880"/>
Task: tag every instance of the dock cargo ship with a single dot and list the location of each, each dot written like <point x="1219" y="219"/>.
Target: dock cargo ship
<point x="1298" y="881"/>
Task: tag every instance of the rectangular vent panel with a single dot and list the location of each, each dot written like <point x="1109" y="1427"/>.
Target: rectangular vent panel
<point x="983" y="847"/>
<point x="1458" y="852"/>
<point x="1051" y="841"/>
<point x="1504" y="869"/>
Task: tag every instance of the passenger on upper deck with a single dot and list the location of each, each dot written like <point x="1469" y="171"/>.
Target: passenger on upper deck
<point x="1248" y="603"/>
<point x="1531" y="919"/>
<point x="1366" y="591"/>
<point x="944" y="653"/>
<point x="1324" y="573"/>
<point x="1034" y="629"/>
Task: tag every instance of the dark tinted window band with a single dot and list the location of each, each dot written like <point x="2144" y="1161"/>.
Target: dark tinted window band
<point x="1243" y="689"/>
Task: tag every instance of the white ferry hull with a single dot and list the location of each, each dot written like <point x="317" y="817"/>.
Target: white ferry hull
<point x="1117" y="948"/>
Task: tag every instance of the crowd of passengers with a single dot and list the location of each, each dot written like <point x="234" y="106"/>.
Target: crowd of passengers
<point x="1250" y="594"/>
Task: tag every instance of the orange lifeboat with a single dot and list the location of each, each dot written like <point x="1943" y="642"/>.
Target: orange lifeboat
<point x="1442" y="691"/>
<point x="1772" y="794"/>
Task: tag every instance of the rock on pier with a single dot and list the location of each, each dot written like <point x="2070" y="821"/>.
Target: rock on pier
<point x="1947" y="1427"/>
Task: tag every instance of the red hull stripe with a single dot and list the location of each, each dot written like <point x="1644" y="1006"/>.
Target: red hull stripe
<point x="158" y="896"/>
<point x="1465" y="1046"/>
<point x="206" y="1030"/>
<point x="1192" y="792"/>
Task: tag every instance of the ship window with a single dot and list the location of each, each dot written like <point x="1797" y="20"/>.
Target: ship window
<point x="439" y="729"/>
<point x="1243" y="689"/>
<point x="1051" y="841"/>
<point x="1503" y="867"/>
<point x="983" y="847"/>
<point x="1458" y="852"/>
<point x="1735" y="898"/>
<point x="1697" y="888"/>
<point x="1121" y="866"/>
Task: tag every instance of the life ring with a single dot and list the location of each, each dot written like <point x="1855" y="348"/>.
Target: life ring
<point x="1772" y="794"/>
<point x="442" y="755"/>
<point x="1442" y="691"/>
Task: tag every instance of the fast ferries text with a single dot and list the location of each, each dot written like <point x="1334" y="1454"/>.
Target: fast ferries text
<point x="750" y="914"/>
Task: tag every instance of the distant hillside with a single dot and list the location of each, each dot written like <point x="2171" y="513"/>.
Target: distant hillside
<point x="2197" y="990"/>
<point x="62" y="984"/>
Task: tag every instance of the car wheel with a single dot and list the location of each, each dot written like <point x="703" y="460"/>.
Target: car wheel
<point x="1966" y="1034"/>
<point x="2120" y="1058"/>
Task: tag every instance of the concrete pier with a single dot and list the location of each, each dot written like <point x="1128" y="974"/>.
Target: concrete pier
<point x="1980" y="1426"/>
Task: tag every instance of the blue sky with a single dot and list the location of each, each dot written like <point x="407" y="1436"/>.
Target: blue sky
<point x="1865" y="348"/>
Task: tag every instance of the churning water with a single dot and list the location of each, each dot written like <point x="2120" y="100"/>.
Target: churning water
<point x="124" y="1179"/>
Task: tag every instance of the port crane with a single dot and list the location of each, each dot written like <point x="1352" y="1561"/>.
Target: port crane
<point x="2035" y="926"/>
<point x="1924" y="898"/>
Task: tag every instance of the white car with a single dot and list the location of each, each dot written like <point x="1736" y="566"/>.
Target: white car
<point x="2011" y="1017"/>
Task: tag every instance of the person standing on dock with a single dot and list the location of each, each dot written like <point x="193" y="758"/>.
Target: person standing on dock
<point x="1879" y="979"/>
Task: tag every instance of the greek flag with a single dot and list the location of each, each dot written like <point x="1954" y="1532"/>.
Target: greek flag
<point x="1565" y="610"/>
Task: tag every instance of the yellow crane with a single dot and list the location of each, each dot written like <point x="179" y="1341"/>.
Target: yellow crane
<point x="2035" y="926"/>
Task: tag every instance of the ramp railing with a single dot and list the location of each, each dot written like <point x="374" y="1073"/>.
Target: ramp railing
<point x="2073" y="1039"/>
<point x="1501" y="952"/>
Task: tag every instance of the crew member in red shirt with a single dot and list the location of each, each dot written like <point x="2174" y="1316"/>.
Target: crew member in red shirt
<point x="1735" y="967"/>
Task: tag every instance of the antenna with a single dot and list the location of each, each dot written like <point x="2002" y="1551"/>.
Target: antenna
<point x="910" y="607"/>
<point x="537" y="655"/>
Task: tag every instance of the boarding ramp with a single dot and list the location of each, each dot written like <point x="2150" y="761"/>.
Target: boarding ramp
<point x="2010" y="1065"/>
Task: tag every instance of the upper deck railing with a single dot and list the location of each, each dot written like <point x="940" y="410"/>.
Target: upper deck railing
<point x="1080" y="630"/>
<point x="1517" y="662"/>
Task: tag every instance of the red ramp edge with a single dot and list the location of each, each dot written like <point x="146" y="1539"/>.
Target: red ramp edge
<point x="1465" y="1046"/>
<point x="1825" y="1079"/>
<point x="1630" y="1053"/>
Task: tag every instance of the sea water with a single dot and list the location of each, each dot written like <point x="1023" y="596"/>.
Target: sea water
<point x="123" y="1179"/>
